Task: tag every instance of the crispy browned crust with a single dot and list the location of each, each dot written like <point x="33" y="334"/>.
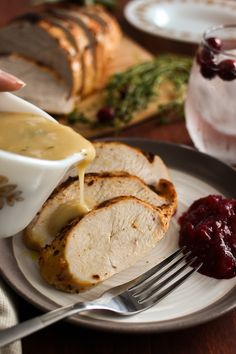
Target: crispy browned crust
<point x="112" y="201"/>
<point x="110" y="35"/>
<point x="108" y="174"/>
<point x="97" y="25"/>
<point x="53" y="265"/>
<point x="91" y="22"/>
<point x="73" y="60"/>
<point x="59" y="36"/>
<point x="88" y="56"/>
<point x="166" y="189"/>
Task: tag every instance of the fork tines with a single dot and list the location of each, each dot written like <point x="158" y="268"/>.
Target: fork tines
<point x="148" y="289"/>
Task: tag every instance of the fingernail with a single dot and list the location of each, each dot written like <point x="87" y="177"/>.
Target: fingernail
<point x="13" y="79"/>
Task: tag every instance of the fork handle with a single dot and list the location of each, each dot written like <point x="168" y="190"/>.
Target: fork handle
<point x="21" y="330"/>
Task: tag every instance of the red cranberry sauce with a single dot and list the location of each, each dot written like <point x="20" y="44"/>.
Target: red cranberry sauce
<point x="208" y="229"/>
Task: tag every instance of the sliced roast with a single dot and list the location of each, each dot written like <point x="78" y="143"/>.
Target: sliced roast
<point x="104" y="242"/>
<point x="40" y="40"/>
<point x="62" y="206"/>
<point x="44" y="87"/>
<point x="67" y="40"/>
<point x="116" y="156"/>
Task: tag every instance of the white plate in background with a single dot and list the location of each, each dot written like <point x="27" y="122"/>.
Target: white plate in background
<point x="183" y="20"/>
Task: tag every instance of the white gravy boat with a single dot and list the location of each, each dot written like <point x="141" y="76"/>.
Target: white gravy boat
<point x="26" y="182"/>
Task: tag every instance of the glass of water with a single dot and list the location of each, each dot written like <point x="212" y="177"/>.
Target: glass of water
<point x="210" y="106"/>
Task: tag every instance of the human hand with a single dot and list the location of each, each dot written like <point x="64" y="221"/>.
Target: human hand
<point x="9" y="82"/>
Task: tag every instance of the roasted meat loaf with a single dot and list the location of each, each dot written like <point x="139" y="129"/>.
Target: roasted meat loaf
<point x="74" y="42"/>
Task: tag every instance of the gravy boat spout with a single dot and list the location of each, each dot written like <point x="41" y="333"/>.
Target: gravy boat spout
<point x="26" y="182"/>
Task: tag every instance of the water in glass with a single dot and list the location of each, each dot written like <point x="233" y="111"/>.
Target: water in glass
<point x="210" y="106"/>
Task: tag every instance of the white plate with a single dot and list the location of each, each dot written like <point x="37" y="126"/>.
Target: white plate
<point x="198" y="300"/>
<point x="197" y="293"/>
<point x="183" y="20"/>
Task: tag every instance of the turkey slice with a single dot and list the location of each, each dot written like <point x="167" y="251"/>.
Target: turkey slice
<point x="44" y="87"/>
<point x="107" y="240"/>
<point x="116" y="156"/>
<point x="62" y="206"/>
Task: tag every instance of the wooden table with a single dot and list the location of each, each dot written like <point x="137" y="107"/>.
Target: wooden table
<point x="216" y="337"/>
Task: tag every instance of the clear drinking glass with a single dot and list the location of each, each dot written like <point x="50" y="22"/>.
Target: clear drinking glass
<point x="210" y="106"/>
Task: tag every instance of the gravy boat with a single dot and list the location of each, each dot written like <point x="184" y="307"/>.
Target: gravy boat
<point x="26" y="182"/>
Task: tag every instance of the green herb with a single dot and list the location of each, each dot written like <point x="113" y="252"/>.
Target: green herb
<point x="78" y="117"/>
<point x="170" y="112"/>
<point x="132" y="91"/>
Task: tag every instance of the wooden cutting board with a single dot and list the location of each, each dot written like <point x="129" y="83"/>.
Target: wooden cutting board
<point x="128" y="54"/>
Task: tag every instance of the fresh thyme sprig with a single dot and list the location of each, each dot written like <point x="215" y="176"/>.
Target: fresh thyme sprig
<point x="132" y="91"/>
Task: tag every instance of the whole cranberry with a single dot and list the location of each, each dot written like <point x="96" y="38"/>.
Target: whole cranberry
<point x="214" y="43"/>
<point x="205" y="56"/>
<point x="105" y="115"/>
<point x="227" y="69"/>
<point x="208" y="70"/>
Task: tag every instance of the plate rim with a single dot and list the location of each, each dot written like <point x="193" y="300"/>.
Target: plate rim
<point x="132" y="19"/>
<point x="12" y="275"/>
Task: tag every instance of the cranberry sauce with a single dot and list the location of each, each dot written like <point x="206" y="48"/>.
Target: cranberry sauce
<point x="208" y="229"/>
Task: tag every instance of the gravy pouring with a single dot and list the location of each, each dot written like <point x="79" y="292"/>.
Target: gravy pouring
<point x="35" y="136"/>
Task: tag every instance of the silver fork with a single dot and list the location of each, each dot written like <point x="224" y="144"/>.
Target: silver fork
<point x="139" y="295"/>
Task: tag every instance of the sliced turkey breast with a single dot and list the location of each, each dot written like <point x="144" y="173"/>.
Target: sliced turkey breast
<point x="116" y="156"/>
<point x="44" y="87"/>
<point x="107" y="240"/>
<point x="74" y="41"/>
<point x="67" y="26"/>
<point x="37" y="38"/>
<point x="95" y="59"/>
<point x="109" y="26"/>
<point x="106" y="31"/>
<point x="77" y="39"/>
<point x="84" y="45"/>
<point x="62" y="206"/>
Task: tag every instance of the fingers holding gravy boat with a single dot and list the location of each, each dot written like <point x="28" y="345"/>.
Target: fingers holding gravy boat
<point x="9" y="82"/>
